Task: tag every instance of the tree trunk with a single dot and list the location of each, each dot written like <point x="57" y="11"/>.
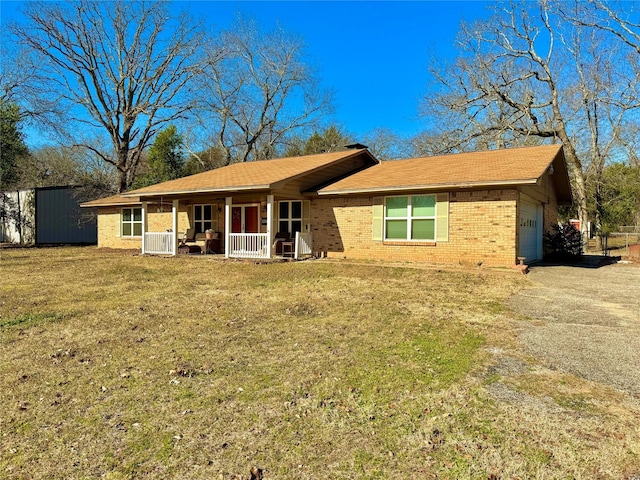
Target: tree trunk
<point x="599" y="215"/>
<point x="574" y="164"/>
<point x="580" y="194"/>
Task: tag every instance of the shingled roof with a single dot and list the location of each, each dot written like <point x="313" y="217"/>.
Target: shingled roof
<point x="488" y="169"/>
<point x="492" y="168"/>
<point x="266" y="174"/>
<point x="112" y="201"/>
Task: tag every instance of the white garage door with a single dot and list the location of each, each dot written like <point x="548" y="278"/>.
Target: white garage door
<point x="530" y="234"/>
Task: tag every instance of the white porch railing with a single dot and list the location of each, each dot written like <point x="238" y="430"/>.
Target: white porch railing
<point x="159" y="243"/>
<point x="248" y="245"/>
<point x="303" y="244"/>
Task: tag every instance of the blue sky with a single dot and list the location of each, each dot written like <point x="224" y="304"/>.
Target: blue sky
<point x="373" y="54"/>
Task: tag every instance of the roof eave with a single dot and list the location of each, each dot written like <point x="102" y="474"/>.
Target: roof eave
<point x="91" y="204"/>
<point x="198" y="191"/>
<point x="441" y="186"/>
<point x="562" y="186"/>
<point x="110" y="204"/>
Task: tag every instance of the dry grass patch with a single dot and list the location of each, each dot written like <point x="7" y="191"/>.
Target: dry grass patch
<point x="121" y="366"/>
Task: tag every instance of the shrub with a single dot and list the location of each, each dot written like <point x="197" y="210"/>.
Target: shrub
<point x="564" y="242"/>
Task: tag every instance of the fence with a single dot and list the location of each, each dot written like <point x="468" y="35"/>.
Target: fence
<point x="302" y="245"/>
<point x="159" y="243"/>
<point x="248" y="245"/>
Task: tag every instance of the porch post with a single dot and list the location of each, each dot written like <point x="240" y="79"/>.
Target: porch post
<point x="270" y="233"/>
<point x="144" y="225"/>
<point x="174" y="227"/>
<point x="227" y="226"/>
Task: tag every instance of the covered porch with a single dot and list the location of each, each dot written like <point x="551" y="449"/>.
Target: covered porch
<point x="249" y="227"/>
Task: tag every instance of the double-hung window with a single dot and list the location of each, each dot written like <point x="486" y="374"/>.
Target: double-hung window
<point x="411" y="218"/>
<point x="202" y="218"/>
<point x="131" y="222"/>
<point x="290" y="216"/>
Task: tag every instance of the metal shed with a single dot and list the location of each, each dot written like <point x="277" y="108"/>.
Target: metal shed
<point x="46" y="216"/>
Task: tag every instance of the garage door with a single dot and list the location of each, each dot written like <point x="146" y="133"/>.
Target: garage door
<point x="530" y="233"/>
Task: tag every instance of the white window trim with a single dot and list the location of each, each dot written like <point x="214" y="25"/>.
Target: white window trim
<point x="291" y="219"/>
<point x="132" y="222"/>
<point x="409" y="218"/>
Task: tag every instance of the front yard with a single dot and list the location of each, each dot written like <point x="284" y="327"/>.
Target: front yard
<point x="121" y="366"/>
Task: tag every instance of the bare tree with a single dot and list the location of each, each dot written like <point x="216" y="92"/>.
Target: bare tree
<point x="385" y="144"/>
<point x="119" y="68"/>
<point x="526" y="76"/>
<point x="22" y="84"/>
<point x="606" y="92"/>
<point x="601" y="17"/>
<point x="623" y="23"/>
<point x="257" y="91"/>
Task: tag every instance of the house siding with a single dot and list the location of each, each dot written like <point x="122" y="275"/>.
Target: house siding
<point x="482" y="228"/>
<point x="550" y="204"/>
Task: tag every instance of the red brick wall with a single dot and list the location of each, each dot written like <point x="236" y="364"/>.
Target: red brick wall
<point x="482" y="228"/>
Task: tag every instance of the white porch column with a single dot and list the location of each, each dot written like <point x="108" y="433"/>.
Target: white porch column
<point x="270" y="232"/>
<point x="144" y="225"/>
<point x="174" y="227"/>
<point x="227" y="225"/>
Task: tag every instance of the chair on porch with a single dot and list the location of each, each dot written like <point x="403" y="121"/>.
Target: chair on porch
<point x="188" y="236"/>
<point x="186" y="242"/>
<point x="282" y="244"/>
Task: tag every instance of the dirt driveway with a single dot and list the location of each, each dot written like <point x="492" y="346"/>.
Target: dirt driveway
<point x="587" y="321"/>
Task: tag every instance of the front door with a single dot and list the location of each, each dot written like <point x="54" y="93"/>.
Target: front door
<point x="245" y="219"/>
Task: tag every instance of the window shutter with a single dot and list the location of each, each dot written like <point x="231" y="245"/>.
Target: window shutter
<point x="442" y="217"/>
<point x="306" y="216"/>
<point x="378" y="211"/>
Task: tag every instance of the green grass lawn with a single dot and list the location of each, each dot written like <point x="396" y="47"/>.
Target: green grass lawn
<point x="121" y="366"/>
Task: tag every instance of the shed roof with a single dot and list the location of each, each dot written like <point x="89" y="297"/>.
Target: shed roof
<point x="495" y="168"/>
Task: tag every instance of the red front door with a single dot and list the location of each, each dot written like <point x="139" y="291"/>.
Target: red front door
<point x="245" y="219"/>
<point x="251" y="222"/>
<point x="236" y="219"/>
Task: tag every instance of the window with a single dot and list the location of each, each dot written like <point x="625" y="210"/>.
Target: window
<point x="202" y="218"/>
<point x="131" y="222"/>
<point x="410" y="218"/>
<point x="290" y="216"/>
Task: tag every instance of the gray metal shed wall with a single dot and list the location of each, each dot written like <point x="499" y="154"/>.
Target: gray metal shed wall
<point x="59" y="218"/>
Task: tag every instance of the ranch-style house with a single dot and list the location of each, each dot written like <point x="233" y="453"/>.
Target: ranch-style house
<point x="490" y="207"/>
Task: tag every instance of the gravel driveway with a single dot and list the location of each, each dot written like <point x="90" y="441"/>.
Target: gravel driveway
<point x="587" y="321"/>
